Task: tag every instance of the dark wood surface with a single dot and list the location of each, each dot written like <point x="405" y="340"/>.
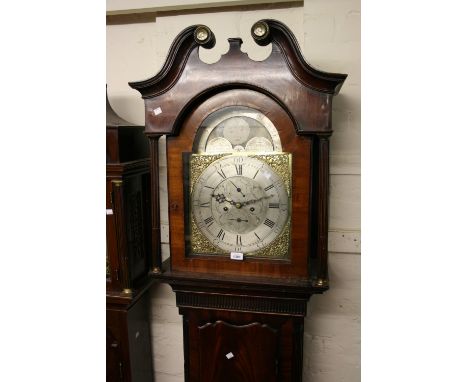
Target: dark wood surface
<point x="292" y="143"/>
<point x="243" y="308"/>
<point x="240" y="284"/>
<point x="128" y="252"/>
<point x="128" y="247"/>
<point x="285" y="76"/>
<point x="226" y="304"/>
<point x="155" y="219"/>
<point x="128" y="227"/>
<point x="322" y="190"/>
<point x="294" y="95"/>
<point x="238" y="353"/>
<point x="128" y="341"/>
<point x="264" y="346"/>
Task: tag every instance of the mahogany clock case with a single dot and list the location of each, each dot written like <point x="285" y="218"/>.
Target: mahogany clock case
<point x="242" y="320"/>
<point x="296" y="97"/>
<point x="228" y="346"/>
<point x="292" y="143"/>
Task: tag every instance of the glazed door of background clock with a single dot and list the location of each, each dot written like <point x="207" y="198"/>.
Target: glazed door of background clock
<point x="127" y="225"/>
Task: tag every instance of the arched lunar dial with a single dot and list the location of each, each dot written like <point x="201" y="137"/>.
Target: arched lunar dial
<point x="240" y="204"/>
<point x="236" y="130"/>
<point x="218" y="145"/>
<point x="240" y="126"/>
<point x="259" y="144"/>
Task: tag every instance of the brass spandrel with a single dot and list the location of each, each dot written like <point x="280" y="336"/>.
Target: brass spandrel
<point x="279" y="248"/>
<point x="200" y="244"/>
<point x="198" y="164"/>
<point x="281" y="164"/>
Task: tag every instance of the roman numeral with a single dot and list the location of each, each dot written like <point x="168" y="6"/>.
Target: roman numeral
<point x="239" y="169"/>
<point x="273" y="205"/>
<point x="269" y="187"/>
<point x="238" y="240"/>
<point x="221" y="173"/>
<point x="209" y="187"/>
<point x="255" y="174"/>
<point x="221" y="234"/>
<point x="269" y="223"/>
<point x="209" y="221"/>
<point x="258" y="237"/>
<point x="206" y="204"/>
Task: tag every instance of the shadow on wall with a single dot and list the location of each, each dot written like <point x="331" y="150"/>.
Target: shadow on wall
<point x="332" y="327"/>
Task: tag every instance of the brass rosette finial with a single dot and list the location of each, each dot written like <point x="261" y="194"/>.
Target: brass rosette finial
<point x="204" y="36"/>
<point x="260" y="32"/>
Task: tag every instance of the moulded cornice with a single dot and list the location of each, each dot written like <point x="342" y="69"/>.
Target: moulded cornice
<point x="279" y="34"/>
<point x="300" y="68"/>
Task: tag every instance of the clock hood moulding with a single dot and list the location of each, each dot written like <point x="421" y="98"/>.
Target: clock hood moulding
<point x="185" y="80"/>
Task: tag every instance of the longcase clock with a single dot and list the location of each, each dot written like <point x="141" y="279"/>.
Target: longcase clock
<point x="248" y="172"/>
<point x="128" y="254"/>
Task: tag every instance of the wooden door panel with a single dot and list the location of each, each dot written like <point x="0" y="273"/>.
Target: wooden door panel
<point x="231" y="353"/>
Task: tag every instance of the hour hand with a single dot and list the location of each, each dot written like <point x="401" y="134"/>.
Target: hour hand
<point x="220" y="198"/>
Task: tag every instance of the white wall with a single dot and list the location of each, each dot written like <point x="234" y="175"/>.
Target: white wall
<point x="329" y="34"/>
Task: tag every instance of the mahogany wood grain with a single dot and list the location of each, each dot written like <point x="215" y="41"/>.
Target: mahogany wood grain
<point x="264" y="345"/>
<point x="155" y="214"/>
<point x="292" y="143"/>
<point x="233" y="353"/>
<point x="294" y="95"/>
<point x="304" y="91"/>
<point x="322" y="208"/>
<point x="112" y="279"/>
<point x="119" y="216"/>
<point x="254" y="307"/>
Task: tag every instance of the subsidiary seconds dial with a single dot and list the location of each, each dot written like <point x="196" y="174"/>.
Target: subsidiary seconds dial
<point x="240" y="204"/>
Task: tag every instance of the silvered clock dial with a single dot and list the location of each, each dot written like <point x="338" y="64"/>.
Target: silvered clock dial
<point x="240" y="203"/>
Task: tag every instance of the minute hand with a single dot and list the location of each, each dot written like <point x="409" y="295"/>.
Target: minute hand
<point x="246" y="203"/>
